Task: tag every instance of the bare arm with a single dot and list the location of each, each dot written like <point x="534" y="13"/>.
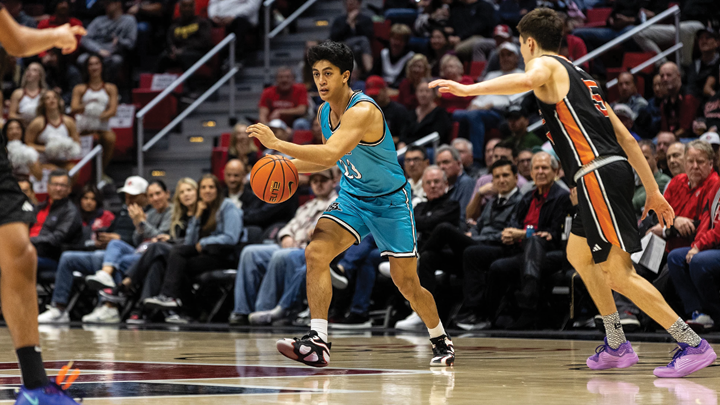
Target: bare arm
<point x="300" y="110"/>
<point x="474" y="208"/>
<point x="72" y="128"/>
<point x="32" y="132"/>
<point x="111" y="110"/>
<point x="15" y="104"/>
<point x="304" y="166"/>
<point x="22" y="41"/>
<point x="709" y="89"/>
<point x="264" y="115"/>
<point x="76" y="105"/>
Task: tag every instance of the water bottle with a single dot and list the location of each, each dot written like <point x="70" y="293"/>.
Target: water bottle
<point x="529" y="231"/>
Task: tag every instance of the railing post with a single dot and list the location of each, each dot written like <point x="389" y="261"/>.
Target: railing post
<point x="140" y="141"/>
<point x="99" y="166"/>
<point x="231" y="114"/>
<point x="267" y="42"/>
<point x="678" y="53"/>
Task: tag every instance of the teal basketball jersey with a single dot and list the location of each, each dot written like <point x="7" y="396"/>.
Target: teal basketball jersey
<point x="369" y="170"/>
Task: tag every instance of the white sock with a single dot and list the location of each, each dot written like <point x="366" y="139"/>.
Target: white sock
<point x="320" y="326"/>
<point x="436" y="331"/>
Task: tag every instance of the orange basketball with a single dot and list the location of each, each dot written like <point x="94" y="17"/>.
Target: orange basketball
<point x="274" y="179"/>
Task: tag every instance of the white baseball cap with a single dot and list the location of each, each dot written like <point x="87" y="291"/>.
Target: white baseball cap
<point x="134" y="185"/>
<point x="711" y="137"/>
<point x="624" y="110"/>
<point x="509" y="46"/>
<point x="278" y="123"/>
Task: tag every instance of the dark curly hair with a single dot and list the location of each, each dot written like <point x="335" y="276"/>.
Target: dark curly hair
<point x="336" y="53"/>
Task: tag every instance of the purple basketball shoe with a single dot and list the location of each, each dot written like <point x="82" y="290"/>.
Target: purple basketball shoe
<point x="606" y="357"/>
<point x="687" y="360"/>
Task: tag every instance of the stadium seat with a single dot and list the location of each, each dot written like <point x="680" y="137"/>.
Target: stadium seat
<point x="597" y="17"/>
<point x="476" y="69"/>
<point x="223" y="280"/>
<point x="632" y="59"/>
<point x="219" y="156"/>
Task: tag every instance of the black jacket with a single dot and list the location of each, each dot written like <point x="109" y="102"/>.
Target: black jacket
<point x="341" y="30"/>
<point x="494" y="218"/>
<point x="556" y="207"/>
<point x="478" y="18"/>
<point x="430" y="214"/>
<point x="438" y="120"/>
<point x="259" y="213"/>
<point x="63" y="225"/>
<point x="123" y="225"/>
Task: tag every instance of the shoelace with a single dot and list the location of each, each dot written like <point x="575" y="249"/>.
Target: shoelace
<point x="676" y="352"/>
<point x="600" y="349"/>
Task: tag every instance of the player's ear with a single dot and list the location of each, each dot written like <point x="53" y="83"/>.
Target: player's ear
<point x="346" y="77"/>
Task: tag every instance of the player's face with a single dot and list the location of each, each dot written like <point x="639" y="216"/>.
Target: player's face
<point x="328" y="79"/>
<point x="88" y="202"/>
<point x="434" y="184"/>
<point x="503" y="179"/>
<point x="697" y="165"/>
<point x="14" y="131"/>
<point x="158" y="197"/>
<point x="542" y="172"/>
<point x="676" y="158"/>
<point x="208" y="191"/>
<point x="188" y="195"/>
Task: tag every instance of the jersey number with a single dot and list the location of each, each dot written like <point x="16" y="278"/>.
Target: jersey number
<point x="348" y="165"/>
<point x="595" y="95"/>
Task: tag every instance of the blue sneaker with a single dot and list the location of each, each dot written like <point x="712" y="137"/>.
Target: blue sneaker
<point x="50" y="394"/>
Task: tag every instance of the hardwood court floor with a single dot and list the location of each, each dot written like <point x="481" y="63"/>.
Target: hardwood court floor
<point x="174" y="367"/>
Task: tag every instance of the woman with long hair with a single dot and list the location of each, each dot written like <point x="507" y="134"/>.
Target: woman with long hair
<point x="25" y="99"/>
<point x="209" y="244"/>
<point x="54" y="134"/>
<point x="438" y="47"/>
<point x="23" y="158"/>
<point x="416" y="69"/>
<point x="242" y="147"/>
<point x="427" y="117"/>
<point x="94" y="217"/>
<point x="94" y="102"/>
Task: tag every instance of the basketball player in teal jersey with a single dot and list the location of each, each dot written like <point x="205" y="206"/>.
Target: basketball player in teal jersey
<point x="374" y="198"/>
<point x="18" y="259"/>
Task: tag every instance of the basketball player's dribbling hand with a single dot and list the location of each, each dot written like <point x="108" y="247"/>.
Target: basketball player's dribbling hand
<point x="66" y="37"/>
<point x="657" y="203"/>
<point x="450" y="86"/>
<point x="263" y="133"/>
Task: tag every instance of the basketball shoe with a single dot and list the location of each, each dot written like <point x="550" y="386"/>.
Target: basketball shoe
<point x="52" y="394"/>
<point x="687" y="360"/>
<point x="310" y="349"/>
<point x="443" y="351"/>
<point x="606" y="357"/>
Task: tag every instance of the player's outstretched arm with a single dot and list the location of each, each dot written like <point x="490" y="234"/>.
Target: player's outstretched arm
<point x="308" y="167"/>
<point x="354" y="126"/>
<point x="23" y="41"/>
<point x="537" y="73"/>
<point x="654" y="201"/>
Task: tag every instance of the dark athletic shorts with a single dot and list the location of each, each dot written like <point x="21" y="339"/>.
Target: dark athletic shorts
<point x="14" y="205"/>
<point x="605" y="213"/>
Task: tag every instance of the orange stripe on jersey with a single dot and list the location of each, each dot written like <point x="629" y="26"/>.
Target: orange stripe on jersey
<point x="602" y="213"/>
<point x="582" y="147"/>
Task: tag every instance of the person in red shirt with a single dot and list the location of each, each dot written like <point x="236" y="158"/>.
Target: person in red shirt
<point x="286" y="100"/>
<point x="60" y="16"/>
<point x="689" y="194"/>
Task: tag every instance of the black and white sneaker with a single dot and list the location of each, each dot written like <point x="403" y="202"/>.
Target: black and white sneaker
<point x="443" y="351"/>
<point x="162" y="302"/>
<point x="310" y="350"/>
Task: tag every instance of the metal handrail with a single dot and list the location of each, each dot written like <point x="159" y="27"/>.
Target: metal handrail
<point x="96" y="153"/>
<point x="647" y="63"/>
<point x="433" y="138"/>
<point x="270" y="35"/>
<point x="141" y="149"/>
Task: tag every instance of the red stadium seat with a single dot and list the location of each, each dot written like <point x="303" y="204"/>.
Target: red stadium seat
<point x="597" y="17"/>
<point x="302" y="137"/>
<point x="476" y="69"/>
<point x="219" y="156"/>
<point x="632" y="59"/>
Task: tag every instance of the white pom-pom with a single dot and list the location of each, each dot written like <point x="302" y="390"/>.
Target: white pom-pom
<point x="21" y="156"/>
<point x="61" y="149"/>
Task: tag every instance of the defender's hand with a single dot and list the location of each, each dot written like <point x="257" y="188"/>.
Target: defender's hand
<point x="264" y="134"/>
<point x="656" y="202"/>
<point x="449" y="86"/>
<point x="66" y="37"/>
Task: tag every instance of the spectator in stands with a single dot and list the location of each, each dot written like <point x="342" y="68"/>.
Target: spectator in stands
<point x="111" y="36"/>
<point x="263" y="267"/>
<point x="188" y="39"/>
<point x="438" y="47"/>
<point x="486" y="50"/>
<point x="87" y="11"/>
<point x="650" y="117"/>
<point x="23" y="158"/>
<point x="436" y="215"/>
<point x="360" y="263"/>
<point x="427" y="117"/>
<point x="487" y="158"/>
<point x="572" y="47"/>
<point x="433" y="15"/>
<point x="15" y="8"/>
<point x="57" y="221"/>
<point x="94" y="102"/>
<point x="452" y="69"/>
<point x="286" y="100"/>
<point x="626" y="115"/>
<point x="145" y="277"/>
<point x="53" y="134"/>
<point x="658" y="36"/>
<point x="510" y="12"/>
<point x="27" y="189"/>
<point x="209" y="245"/>
<point x="94" y="217"/>
<point x="396" y="116"/>
<point x="688" y="194"/>
<point x="415" y="163"/>
<point x="60" y="10"/>
<point x="24" y="100"/>
<point x="122" y="228"/>
<point x="465" y="148"/>
<point x="623" y="18"/>
<point x="237" y="16"/>
<point x="357" y="31"/>
<point x="242" y="147"/>
<point x="694" y="271"/>
<point x="62" y="75"/>
<point x="461" y="185"/>
<point x="484" y="189"/>
<point x="706" y="66"/>
<point x="629" y="94"/>
<point x="711" y="110"/>
<point x="679" y="107"/>
<point x="390" y="65"/>
<point x="282" y="132"/>
<point x="235" y="172"/>
<point x="468" y="27"/>
<point x="416" y="69"/>
<point x="714" y="140"/>
<point x="516" y="128"/>
<point x="663" y="142"/>
<point x="524" y="164"/>
<point x="649" y="151"/>
<point x="544" y="211"/>
<point x="675" y="156"/>
<point x="266" y="217"/>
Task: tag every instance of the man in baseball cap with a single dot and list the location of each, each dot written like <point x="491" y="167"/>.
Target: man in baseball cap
<point x="134" y="185"/>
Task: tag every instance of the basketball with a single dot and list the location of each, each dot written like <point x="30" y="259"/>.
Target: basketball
<point x="274" y="179"/>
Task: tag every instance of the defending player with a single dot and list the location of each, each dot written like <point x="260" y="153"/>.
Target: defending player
<point x="18" y="259"/>
<point x="595" y="149"/>
<point x="374" y="197"/>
